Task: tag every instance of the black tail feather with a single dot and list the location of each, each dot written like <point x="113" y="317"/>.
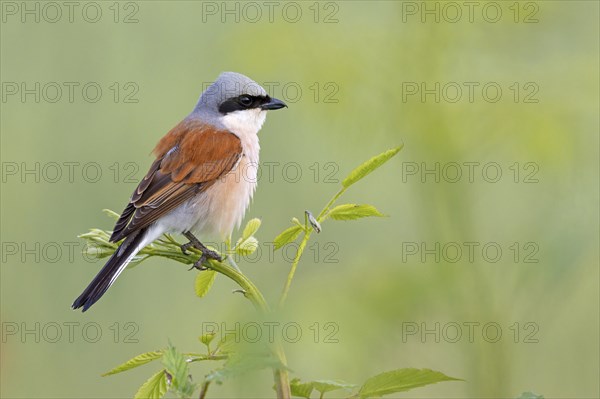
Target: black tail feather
<point x="102" y="282"/>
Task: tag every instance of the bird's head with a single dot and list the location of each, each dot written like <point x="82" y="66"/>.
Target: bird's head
<point x="237" y="101"/>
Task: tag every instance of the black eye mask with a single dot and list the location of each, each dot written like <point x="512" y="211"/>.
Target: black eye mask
<point x="243" y="102"/>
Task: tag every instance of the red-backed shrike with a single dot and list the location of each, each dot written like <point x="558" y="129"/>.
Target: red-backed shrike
<point x="195" y="184"/>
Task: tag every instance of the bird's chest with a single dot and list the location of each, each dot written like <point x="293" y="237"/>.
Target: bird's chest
<point x="237" y="187"/>
<point x="228" y="198"/>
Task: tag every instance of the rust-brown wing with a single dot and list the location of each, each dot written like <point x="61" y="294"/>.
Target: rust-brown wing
<point x="189" y="159"/>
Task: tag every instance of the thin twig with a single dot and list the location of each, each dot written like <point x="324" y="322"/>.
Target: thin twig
<point x="204" y="389"/>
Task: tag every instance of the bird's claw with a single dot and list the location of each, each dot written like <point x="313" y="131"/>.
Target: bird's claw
<point x="184" y="247"/>
<point x="199" y="264"/>
<point x="206" y="255"/>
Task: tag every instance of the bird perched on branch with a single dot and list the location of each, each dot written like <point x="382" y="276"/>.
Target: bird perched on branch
<point x="201" y="182"/>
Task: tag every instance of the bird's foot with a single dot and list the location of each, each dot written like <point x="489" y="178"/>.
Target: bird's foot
<point x="185" y="247"/>
<point x="206" y="255"/>
<point x="199" y="264"/>
<point x="209" y="254"/>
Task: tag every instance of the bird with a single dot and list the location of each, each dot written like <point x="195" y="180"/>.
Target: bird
<point x="201" y="182"/>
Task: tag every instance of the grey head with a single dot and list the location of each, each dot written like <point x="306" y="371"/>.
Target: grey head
<point x="233" y="92"/>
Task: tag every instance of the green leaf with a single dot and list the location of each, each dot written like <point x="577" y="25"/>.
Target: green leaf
<point x="302" y="390"/>
<point x="154" y="388"/>
<point x="228" y="343"/>
<point x="176" y="365"/>
<point x="369" y="166"/>
<point x="246" y="247"/>
<point x="98" y="252"/>
<point x="287" y="236"/>
<point x="247" y="244"/>
<point x="251" y="228"/>
<point x="206" y="339"/>
<point x="111" y="214"/>
<point x="204" y="280"/>
<point x="353" y="211"/>
<point x="136" y="362"/>
<point x="530" y="395"/>
<point x="98" y="237"/>
<point x="324" y="386"/>
<point x="400" y="380"/>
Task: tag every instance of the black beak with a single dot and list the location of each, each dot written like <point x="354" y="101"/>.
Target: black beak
<point x="273" y="104"/>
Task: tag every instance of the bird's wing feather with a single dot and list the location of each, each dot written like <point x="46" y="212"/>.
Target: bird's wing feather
<point x="189" y="158"/>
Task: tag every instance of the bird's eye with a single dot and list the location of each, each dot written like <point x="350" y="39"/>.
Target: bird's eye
<point x="246" y="101"/>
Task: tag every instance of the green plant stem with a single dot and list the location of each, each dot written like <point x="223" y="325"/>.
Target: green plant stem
<point x="309" y="230"/>
<point x="288" y="282"/>
<point x="282" y="380"/>
<point x="330" y="203"/>
<point x="211" y="357"/>
<point x="204" y="389"/>
<point x="280" y="376"/>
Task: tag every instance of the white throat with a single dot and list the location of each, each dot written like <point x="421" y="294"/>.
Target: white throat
<point x="245" y="124"/>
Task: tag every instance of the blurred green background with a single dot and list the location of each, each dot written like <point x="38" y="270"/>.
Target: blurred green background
<point x="364" y="56"/>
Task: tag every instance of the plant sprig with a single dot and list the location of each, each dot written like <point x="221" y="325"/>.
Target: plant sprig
<point x="175" y="374"/>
